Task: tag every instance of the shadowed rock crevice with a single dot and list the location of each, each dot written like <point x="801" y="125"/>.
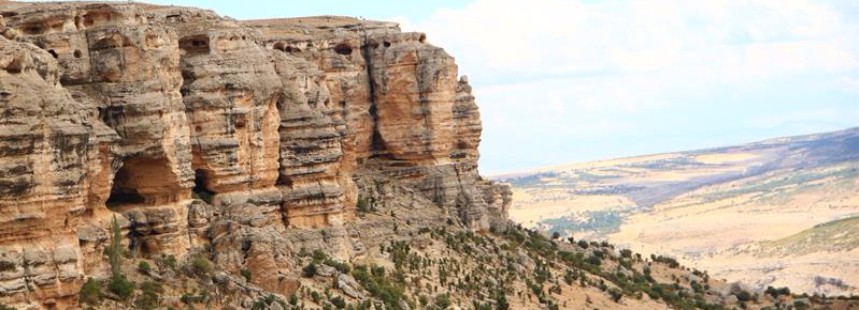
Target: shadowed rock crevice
<point x="201" y="188"/>
<point x="142" y="180"/>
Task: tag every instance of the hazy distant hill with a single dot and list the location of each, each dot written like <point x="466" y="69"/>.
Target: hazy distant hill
<point x="752" y="212"/>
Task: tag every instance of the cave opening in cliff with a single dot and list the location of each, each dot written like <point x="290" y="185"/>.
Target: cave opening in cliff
<point x="123" y="192"/>
<point x="201" y="190"/>
<point x="195" y="44"/>
<point x="343" y="49"/>
<point x="143" y="180"/>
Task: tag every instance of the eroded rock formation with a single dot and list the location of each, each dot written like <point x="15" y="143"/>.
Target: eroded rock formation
<point x="198" y="130"/>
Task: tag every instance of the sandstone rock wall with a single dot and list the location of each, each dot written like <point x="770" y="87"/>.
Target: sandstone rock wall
<point x="199" y="131"/>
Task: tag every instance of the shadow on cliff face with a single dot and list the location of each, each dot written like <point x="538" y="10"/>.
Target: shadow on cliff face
<point x="123" y="192"/>
<point x="200" y="190"/>
<point x="142" y="181"/>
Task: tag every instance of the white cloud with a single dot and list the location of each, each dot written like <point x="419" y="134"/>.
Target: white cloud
<point x="816" y="117"/>
<point x="724" y="40"/>
<point x="565" y="69"/>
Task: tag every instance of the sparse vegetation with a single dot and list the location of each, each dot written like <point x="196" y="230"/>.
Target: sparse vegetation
<point x="478" y="271"/>
<point x="144" y="267"/>
<point x="121" y="287"/>
<point x="90" y="292"/>
<point x="310" y="270"/>
<point x="150" y="296"/>
<point x="200" y="266"/>
<point x="246" y="274"/>
<point x="364" y="205"/>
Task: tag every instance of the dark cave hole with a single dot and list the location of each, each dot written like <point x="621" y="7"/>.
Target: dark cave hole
<point x="195" y="44"/>
<point x="33" y="30"/>
<point x="53" y="53"/>
<point x="343" y="49"/>
<point x="123" y="192"/>
<point x="201" y="190"/>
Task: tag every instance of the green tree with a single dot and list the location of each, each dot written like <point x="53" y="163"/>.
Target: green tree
<point x="118" y="284"/>
<point x="114" y="251"/>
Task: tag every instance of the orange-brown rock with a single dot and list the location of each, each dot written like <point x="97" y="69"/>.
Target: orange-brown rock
<point x="202" y="132"/>
<point x="47" y="141"/>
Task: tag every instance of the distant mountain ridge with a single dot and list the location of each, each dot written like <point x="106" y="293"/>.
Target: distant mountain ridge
<point x="796" y="152"/>
<point x="709" y="204"/>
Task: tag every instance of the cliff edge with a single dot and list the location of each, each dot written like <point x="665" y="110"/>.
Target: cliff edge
<point x="199" y="131"/>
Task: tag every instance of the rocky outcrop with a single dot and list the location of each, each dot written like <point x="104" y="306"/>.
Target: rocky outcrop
<point x="205" y="132"/>
<point x="48" y="141"/>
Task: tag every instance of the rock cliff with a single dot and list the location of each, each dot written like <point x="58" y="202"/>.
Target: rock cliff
<point x="199" y="131"/>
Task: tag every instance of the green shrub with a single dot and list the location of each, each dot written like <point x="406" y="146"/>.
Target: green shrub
<point x="121" y="287"/>
<point x="775" y="293"/>
<point x="442" y="301"/>
<point x="594" y="260"/>
<point x="338" y="302"/>
<point x="144" y="267"/>
<point x="363" y="204"/>
<point x="246" y="274"/>
<point x="744" y="296"/>
<point x="90" y="292"/>
<point x="150" y="297"/>
<point x="583" y="244"/>
<point x="166" y="261"/>
<point x="319" y="256"/>
<point x="389" y="289"/>
<point x="5" y="307"/>
<point x="189" y="299"/>
<point x="616" y="294"/>
<point x="200" y="266"/>
<point x="501" y="302"/>
<point x="340" y="266"/>
<point x="309" y="270"/>
<point x="626" y="253"/>
<point x="671" y="262"/>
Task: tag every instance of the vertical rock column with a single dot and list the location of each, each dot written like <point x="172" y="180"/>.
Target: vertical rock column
<point x="45" y="148"/>
<point x="415" y="89"/>
<point x="231" y="92"/>
<point x="311" y="147"/>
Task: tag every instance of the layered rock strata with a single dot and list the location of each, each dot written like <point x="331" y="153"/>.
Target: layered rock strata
<point x="199" y="131"/>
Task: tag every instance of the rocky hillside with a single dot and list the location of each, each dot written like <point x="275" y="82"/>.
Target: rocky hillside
<point x="156" y="157"/>
<point x="771" y="213"/>
<point x="199" y="131"/>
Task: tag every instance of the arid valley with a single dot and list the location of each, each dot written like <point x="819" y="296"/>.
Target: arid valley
<point x="782" y="212"/>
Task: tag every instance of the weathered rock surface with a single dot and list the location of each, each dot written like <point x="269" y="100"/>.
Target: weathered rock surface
<point x="146" y="111"/>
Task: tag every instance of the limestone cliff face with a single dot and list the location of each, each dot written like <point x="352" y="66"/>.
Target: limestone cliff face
<point x="198" y="130"/>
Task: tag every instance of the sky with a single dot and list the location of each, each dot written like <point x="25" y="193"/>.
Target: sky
<point x="562" y="81"/>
